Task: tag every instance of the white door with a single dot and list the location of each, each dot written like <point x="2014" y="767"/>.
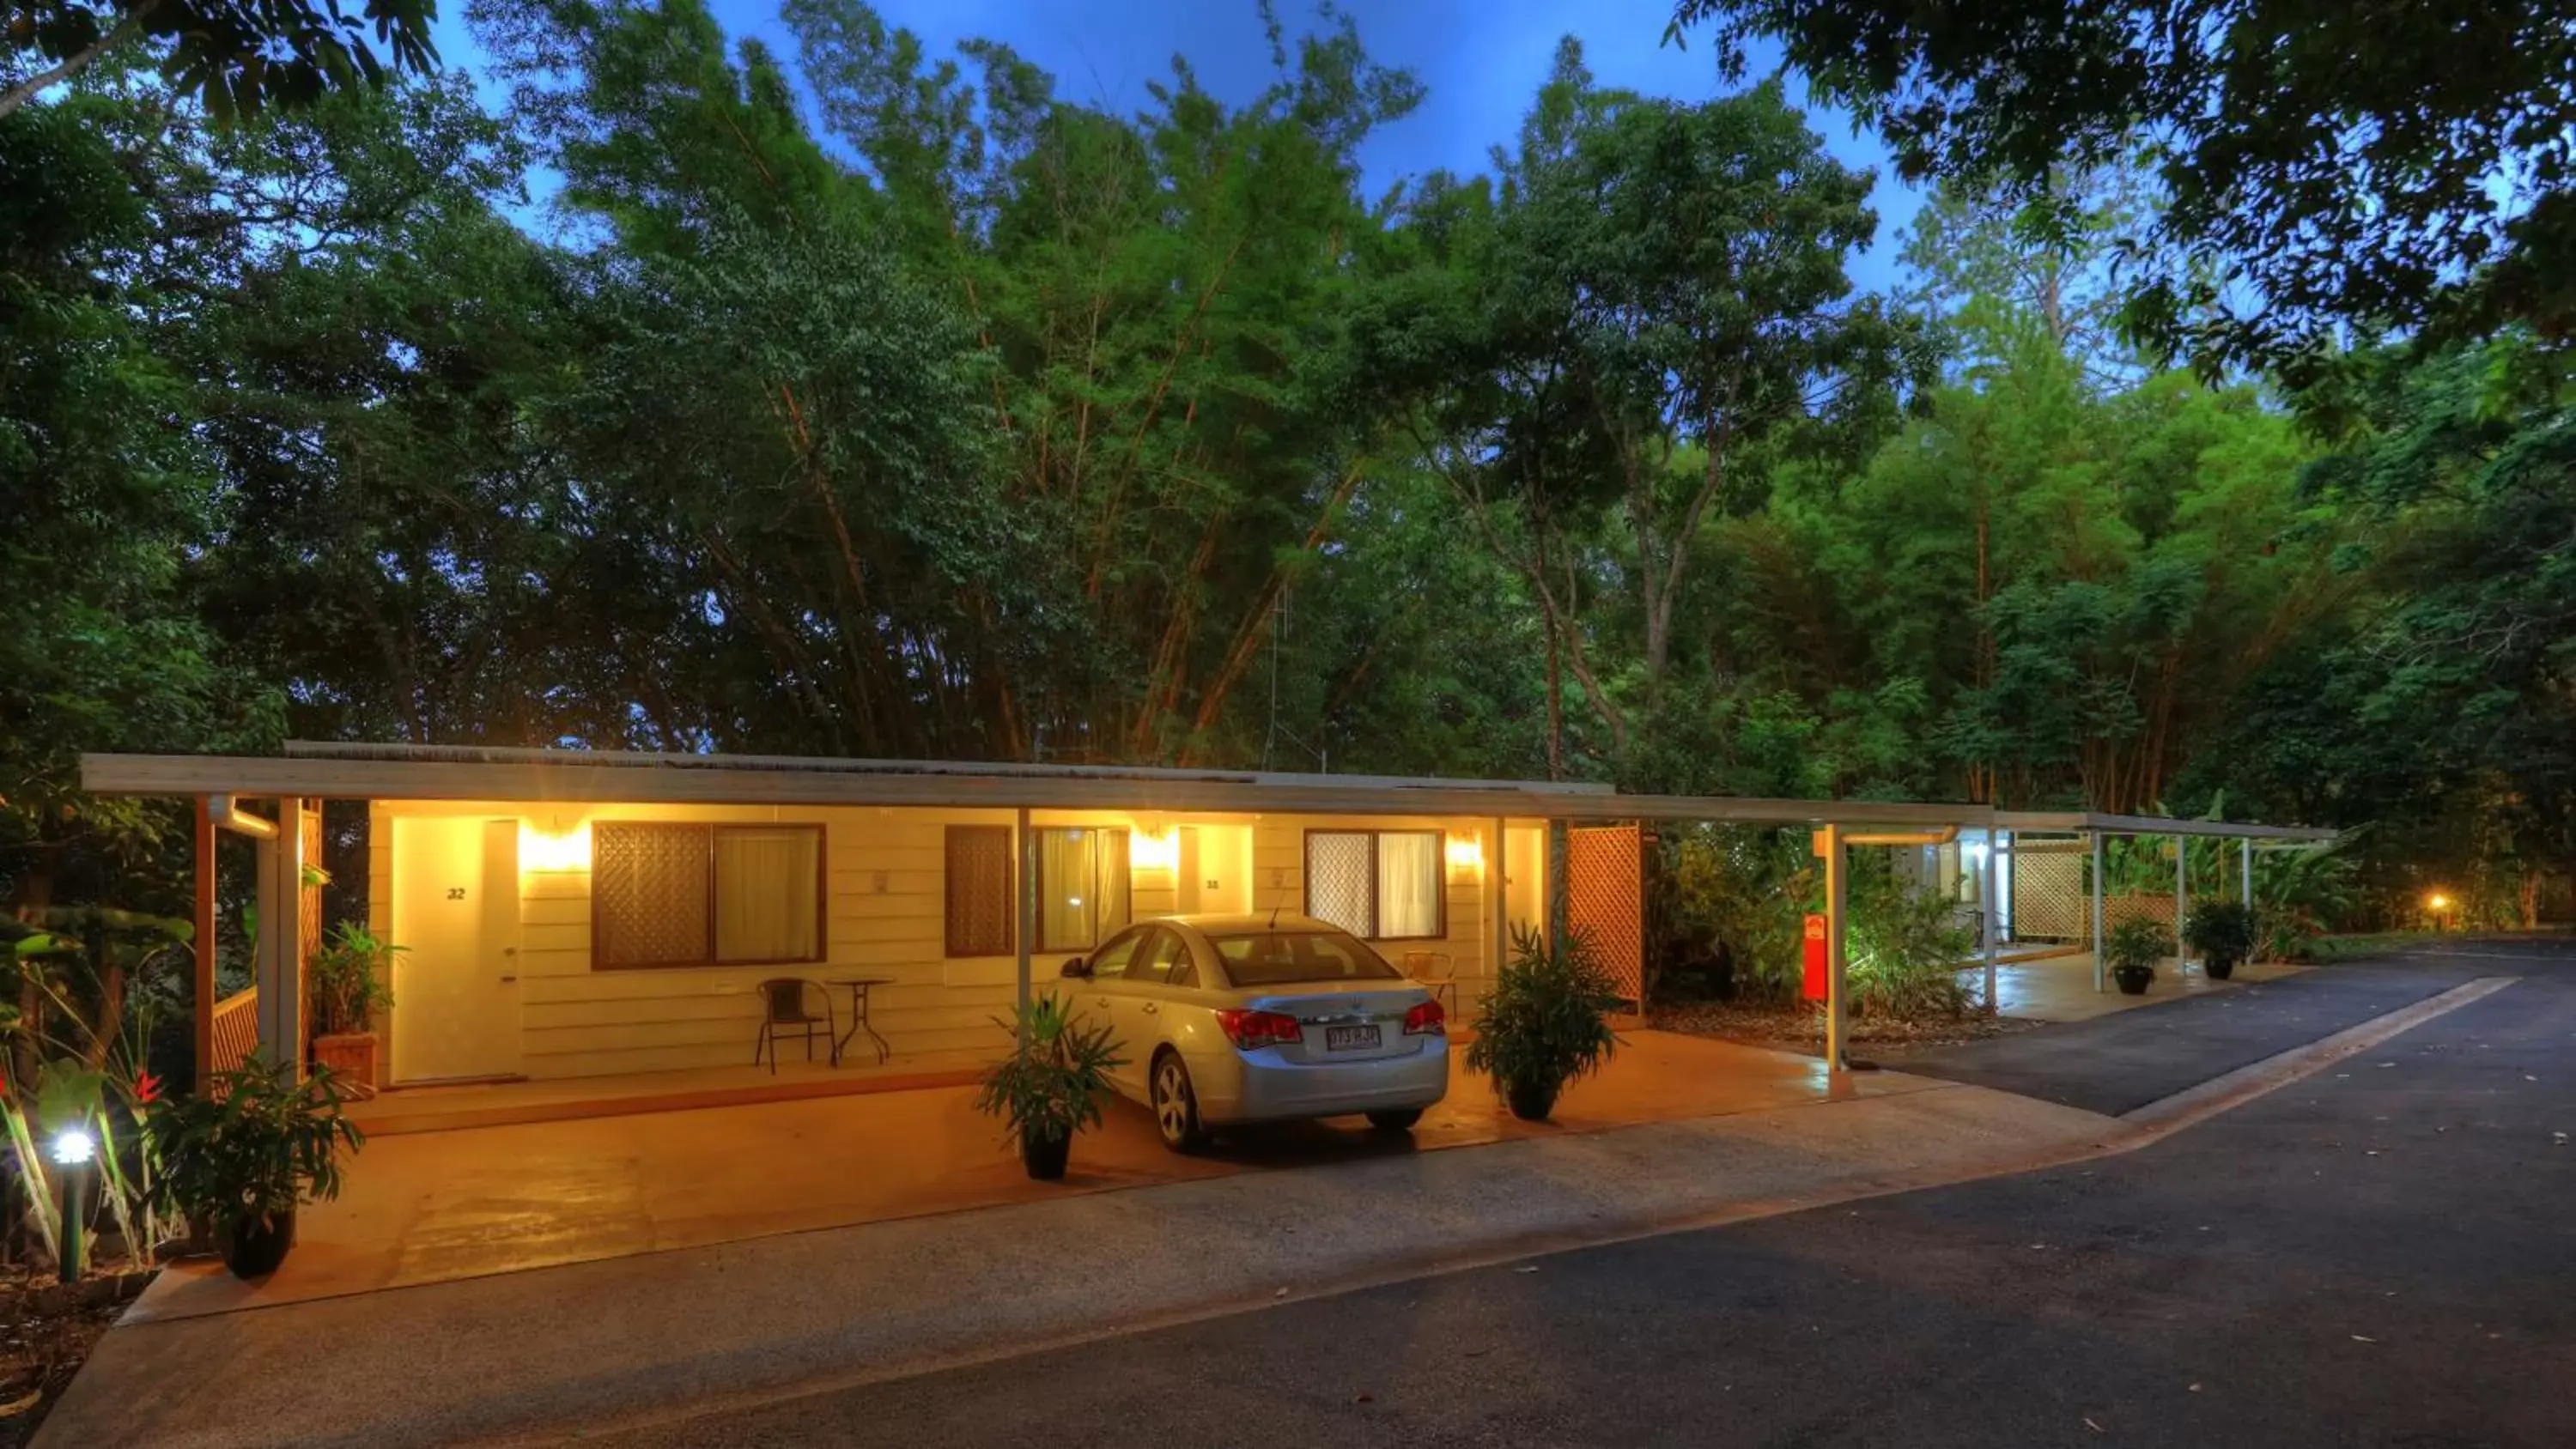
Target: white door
<point x="456" y="983"/>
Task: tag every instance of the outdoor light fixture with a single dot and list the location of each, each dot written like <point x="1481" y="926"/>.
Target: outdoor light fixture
<point x="554" y="850"/>
<point x="1466" y="853"/>
<point x="2437" y="902"/>
<point x="71" y="1150"/>
<point x="1152" y="851"/>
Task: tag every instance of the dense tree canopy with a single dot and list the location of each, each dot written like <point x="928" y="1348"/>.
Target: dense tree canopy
<point x="857" y="400"/>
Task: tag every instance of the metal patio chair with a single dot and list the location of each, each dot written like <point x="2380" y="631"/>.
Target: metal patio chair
<point x="787" y="1011"/>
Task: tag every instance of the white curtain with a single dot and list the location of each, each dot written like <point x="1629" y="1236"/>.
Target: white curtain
<point x="1408" y="884"/>
<point x="1115" y="872"/>
<point x="765" y="901"/>
<point x="1068" y="897"/>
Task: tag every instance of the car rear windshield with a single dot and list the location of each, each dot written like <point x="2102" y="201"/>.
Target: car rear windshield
<point x="1275" y="958"/>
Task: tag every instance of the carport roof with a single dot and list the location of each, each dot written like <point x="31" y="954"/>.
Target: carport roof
<point x="443" y="772"/>
<point x="2081" y="822"/>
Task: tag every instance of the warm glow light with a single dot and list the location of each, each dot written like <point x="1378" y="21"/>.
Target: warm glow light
<point x="72" y="1147"/>
<point x="2437" y="901"/>
<point x="554" y="850"/>
<point x="1147" y="851"/>
<point x="1466" y="853"/>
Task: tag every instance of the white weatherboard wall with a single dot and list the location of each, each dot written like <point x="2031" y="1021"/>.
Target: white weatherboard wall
<point x="885" y="917"/>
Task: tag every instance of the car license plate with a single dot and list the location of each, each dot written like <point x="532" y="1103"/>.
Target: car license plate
<point x="1350" y="1038"/>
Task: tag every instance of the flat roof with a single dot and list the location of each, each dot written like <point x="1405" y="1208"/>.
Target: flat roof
<point x="475" y="772"/>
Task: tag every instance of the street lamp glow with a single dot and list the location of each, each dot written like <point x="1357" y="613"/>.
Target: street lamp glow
<point x="2437" y="901"/>
<point x="72" y="1147"/>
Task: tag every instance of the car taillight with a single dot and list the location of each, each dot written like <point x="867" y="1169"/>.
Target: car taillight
<point x="1250" y="1029"/>
<point x="1426" y="1019"/>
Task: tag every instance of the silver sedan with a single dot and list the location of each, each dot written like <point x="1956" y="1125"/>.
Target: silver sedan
<point x="1256" y="1018"/>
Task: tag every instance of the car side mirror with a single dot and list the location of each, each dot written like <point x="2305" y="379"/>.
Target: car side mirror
<point x="1076" y="969"/>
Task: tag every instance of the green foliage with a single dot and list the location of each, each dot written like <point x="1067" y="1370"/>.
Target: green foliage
<point x="231" y="56"/>
<point x="1547" y="1020"/>
<point x="256" y="1145"/>
<point x="350" y="979"/>
<point x="2340" y="166"/>
<point x="1052" y="1083"/>
<point x="1728" y="913"/>
<point x="2221" y="930"/>
<point x="1905" y="952"/>
<point x="2138" y="941"/>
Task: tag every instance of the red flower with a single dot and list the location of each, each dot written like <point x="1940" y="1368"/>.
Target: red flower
<point x="147" y="1088"/>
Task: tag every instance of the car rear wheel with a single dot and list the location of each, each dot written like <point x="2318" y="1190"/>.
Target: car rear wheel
<point x="1176" y="1105"/>
<point x="1395" y="1121"/>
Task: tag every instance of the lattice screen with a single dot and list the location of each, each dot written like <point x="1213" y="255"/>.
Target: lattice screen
<point x="1341" y="879"/>
<point x="308" y="915"/>
<point x="648" y="893"/>
<point x="1605" y="898"/>
<point x="2049" y="902"/>
<point x="980" y="899"/>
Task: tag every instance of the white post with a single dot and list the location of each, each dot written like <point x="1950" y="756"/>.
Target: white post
<point x="2097" y="910"/>
<point x="1028" y="907"/>
<point x="1829" y="844"/>
<point x="275" y="961"/>
<point x="1498" y="880"/>
<point x="2245" y="872"/>
<point x="2182" y="891"/>
<point x="1990" y="911"/>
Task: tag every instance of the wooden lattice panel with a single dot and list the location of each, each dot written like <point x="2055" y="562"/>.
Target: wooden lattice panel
<point x="2049" y="901"/>
<point x="1605" y="899"/>
<point x="648" y="893"/>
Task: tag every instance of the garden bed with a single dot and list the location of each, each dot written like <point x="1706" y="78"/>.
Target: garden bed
<point x="46" y="1331"/>
<point x="1800" y="1027"/>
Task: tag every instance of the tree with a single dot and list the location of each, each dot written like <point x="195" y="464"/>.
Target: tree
<point x="2362" y="168"/>
<point x="230" y="56"/>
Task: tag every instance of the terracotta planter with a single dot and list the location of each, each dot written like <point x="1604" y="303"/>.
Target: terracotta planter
<point x="1530" y="1101"/>
<point x="351" y="1056"/>
<point x="1045" y="1156"/>
<point x="257" y="1248"/>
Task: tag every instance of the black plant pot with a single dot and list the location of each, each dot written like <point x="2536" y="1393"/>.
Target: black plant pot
<point x="258" y="1247"/>
<point x="1045" y="1156"/>
<point x="2218" y="968"/>
<point x="2133" y="979"/>
<point x="1530" y="1101"/>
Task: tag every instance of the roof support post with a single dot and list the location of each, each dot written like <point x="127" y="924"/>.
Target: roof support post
<point x="1027" y="905"/>
<point x="203" y="924"/>
<point x="1989" y="919"/>
<point x="2182" y="893"/>
<point x="2245" y="872"/>
<point x="279" y="964"/>
<point x="1499" y="897"/>
<point x="2098" y="942"/>
<point x="1829" y="844"/>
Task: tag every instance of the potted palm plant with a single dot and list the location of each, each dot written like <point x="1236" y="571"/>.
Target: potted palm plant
<point x="349" y="987"/>
<point x="2134" y="948"/>
<point x="1051" y="1084"/>
<point x="1547" y="1022"/>
<point x="246" y="1153"/>
<point x="2223" y="933"/>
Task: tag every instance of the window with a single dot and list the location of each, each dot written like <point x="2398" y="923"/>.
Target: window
<point x="1109" y="963"/>
<point x="1276" y="958"/>
<point x="1167" y="962"/>
<point x="666" y="894"/>
<point x="981" y="907"/>
<point x="1379" y="885"/>
<point x="1082" y="887"/>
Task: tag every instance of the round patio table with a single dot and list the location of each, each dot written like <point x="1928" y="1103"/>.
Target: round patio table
<point x="859" y="1016"/>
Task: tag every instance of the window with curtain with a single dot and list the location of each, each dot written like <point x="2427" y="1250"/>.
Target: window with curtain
<point x="1082" y="887"/>
<point x="982" y="915"/>
<point x="670" y="894"/>
<point x="1379" y="885"/>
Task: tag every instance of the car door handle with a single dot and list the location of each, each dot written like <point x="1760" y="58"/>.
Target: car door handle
<point x="1152" y="1010"/>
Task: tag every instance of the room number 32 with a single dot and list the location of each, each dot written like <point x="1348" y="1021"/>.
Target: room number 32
<point x="456" y="893"/>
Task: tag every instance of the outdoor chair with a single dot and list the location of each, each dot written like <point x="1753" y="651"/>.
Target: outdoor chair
<point x="1431" y="970"/>
<point x="787" y="1011"/>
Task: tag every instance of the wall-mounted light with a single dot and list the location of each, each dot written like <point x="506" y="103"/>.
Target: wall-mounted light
<point x="1466" y="853"/>
<point x="554" y="850"/>
<point x="1150" y="851"/>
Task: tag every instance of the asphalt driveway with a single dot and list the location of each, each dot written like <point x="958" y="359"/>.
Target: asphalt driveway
<point x="2378" y="1255"/>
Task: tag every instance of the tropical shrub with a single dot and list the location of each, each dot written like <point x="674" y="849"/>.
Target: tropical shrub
<point x="1052" y="1083"/>
<point x="2221" y="931"/>
<point x="254" y="1147"/>
<point x="1906" y="951"/>
<point x="2137" y="942"/>
<point x="349" y="980"/>
<point x="1547" y="1021"/>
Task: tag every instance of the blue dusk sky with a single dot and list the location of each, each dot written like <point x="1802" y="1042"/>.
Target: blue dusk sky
<point x="1481" y="60"/>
